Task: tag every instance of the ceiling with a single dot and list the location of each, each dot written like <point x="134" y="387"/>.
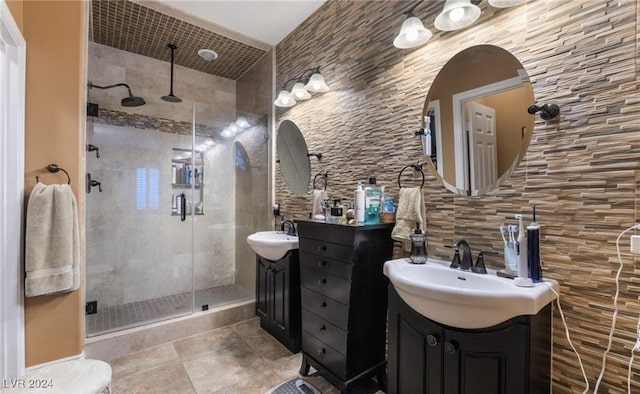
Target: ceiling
<point x="268" y="21"/>
<point x="241" y="32"/>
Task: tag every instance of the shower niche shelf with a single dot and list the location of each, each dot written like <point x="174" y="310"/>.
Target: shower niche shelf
<point x="186" y="175"/>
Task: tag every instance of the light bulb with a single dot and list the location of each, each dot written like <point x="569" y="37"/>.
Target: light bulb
<point x="456" y="14"/>
<point x="412" y="35"/>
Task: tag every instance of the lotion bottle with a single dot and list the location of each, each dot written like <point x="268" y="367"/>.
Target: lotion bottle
<point x="359" y="204"/>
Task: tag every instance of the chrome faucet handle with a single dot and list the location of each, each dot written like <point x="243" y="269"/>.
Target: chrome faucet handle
<point x="479" y="268"/>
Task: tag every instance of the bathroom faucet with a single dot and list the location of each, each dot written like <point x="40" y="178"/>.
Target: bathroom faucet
<point x="292" y="227"/>
<point x="465" y="261"/>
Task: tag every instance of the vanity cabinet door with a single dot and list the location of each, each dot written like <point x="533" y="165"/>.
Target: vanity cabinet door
<point x="486" y="362"/>
<point x="415" y="351"/>
<point x="262" y="279"/>
<point x="278" y="299"/>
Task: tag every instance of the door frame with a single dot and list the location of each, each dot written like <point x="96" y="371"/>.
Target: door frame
<point x="12" y="110"/>
<point x="460" y="127"/>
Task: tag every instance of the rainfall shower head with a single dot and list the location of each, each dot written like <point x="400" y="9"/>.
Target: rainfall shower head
<point x="170" y="97"/>
<point x="131" y="101"/>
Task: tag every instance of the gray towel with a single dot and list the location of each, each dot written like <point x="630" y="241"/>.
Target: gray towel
<point x="52" y="246"/>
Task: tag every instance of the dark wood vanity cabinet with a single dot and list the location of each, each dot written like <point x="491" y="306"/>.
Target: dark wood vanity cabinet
<point x="344" y="300"/>
<point x="278" y="298"/>
<point x="427" y="357"/>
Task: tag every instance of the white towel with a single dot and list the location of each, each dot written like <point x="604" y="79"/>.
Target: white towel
<point x="410" y="211"/>
<point x="52" y="246"/>
<point x="318" y="197"/>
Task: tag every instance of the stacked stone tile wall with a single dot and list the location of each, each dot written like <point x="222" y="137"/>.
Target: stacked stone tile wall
<point x="580" y="170"/>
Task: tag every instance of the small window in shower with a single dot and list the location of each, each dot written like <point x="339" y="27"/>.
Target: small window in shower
<point x="147" y="188"/>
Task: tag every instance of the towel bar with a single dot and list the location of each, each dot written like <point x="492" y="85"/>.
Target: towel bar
<point x="417" y="167"/>
<point x="53" y="168"/>
<point x="324" y="176"/>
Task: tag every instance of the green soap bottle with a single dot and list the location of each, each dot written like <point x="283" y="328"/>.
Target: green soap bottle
<point x="372" y="201"/>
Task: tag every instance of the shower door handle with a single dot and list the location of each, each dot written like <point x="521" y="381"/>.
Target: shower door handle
<point x="183" y="207"/>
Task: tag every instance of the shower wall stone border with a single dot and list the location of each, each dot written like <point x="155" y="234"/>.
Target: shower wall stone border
<point x="124" y="119"/>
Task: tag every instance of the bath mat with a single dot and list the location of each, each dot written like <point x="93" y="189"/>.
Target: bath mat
<point x="294" y="386"/>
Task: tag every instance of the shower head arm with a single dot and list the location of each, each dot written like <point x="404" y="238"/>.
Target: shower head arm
<point x="91" y="85"/>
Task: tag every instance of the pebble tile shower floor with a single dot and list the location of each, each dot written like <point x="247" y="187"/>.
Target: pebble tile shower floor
<point x="237" y="359"/>
<point x="133" y="314"/>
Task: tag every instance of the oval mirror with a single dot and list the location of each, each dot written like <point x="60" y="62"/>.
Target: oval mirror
<point x="475" y="119"/>
<point x="293" y="157"/>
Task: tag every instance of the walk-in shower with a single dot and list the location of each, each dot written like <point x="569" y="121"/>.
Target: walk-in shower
<point x="166" y="237"/>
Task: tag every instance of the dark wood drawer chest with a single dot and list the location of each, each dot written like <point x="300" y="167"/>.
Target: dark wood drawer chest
<point x="344" y="300"/>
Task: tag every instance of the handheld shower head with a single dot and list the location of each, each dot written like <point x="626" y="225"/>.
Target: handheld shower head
<point x="131" y="101"/>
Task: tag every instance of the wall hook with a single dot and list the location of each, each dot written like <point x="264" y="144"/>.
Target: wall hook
<point x="317" y="155"/>
<point x="547" y="111"/>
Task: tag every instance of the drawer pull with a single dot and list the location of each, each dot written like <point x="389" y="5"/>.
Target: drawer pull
<point x="321" y="351"/>
<point x="322" y="281"/>
<point x="323" y="328"/>
<point x="432" y="340"/>
<point x="322" y="248"/>
<point x="323" y="305"/>
<point x="322" y="263"/>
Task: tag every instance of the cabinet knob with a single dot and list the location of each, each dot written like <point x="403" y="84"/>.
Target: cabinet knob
<point x="322" y="281"/>
<point x="321" y="351"/>
<point x="432" y="340"/>
<point x="450" y="348"/>
<point x="323" y="305"/>
<point x="323" y="328"/>
<point x="322" y="263"/>
<point x="322" y="248"/>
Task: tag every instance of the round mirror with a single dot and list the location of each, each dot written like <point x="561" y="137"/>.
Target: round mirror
<point x="293" y="157"/>
<point x="475" y="119"/>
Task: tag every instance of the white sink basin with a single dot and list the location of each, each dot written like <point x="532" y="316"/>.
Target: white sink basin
<point x="272" y="245"/>
<point x="461" y="298"/>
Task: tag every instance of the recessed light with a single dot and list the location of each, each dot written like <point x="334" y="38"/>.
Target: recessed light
<point x="207" y="54"/>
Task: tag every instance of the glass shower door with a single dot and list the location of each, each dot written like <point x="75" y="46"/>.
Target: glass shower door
<point x="139" y="228"/>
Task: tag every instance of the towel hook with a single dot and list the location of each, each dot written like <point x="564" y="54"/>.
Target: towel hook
<point x="53" y="168"/>
<point x="418" y="167"/>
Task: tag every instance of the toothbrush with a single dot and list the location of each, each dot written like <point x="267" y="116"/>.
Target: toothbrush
<point x="503" y="230"/>
<point x="512" y="238"/>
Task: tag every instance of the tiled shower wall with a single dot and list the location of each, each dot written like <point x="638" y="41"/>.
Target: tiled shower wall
<point x="581" y="170"/>
<point x="154" y="246"/>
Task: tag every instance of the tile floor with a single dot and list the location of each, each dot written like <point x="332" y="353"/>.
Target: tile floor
<point x="236" y="359"/>
<point x="118" y="317"/>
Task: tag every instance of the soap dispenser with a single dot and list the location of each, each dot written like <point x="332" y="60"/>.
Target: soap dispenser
<point x="418" y="246"/>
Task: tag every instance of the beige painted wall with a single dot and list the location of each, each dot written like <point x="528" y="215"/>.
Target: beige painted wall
<point x="15" y="6"/>
<point x="581" y="170"/>
<point x="56" y="41"/>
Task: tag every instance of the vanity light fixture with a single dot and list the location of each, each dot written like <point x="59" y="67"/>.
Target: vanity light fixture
<point x="457" y="14"/>
<point x="298" y="92"/>
<point x="412" y="33"/>
<point x="314" y="83"/>
<point x="284" y="99"/>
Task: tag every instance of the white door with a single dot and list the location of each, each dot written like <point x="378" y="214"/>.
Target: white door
<point x="483" y="154"/>
<point x="12" y="85"/>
